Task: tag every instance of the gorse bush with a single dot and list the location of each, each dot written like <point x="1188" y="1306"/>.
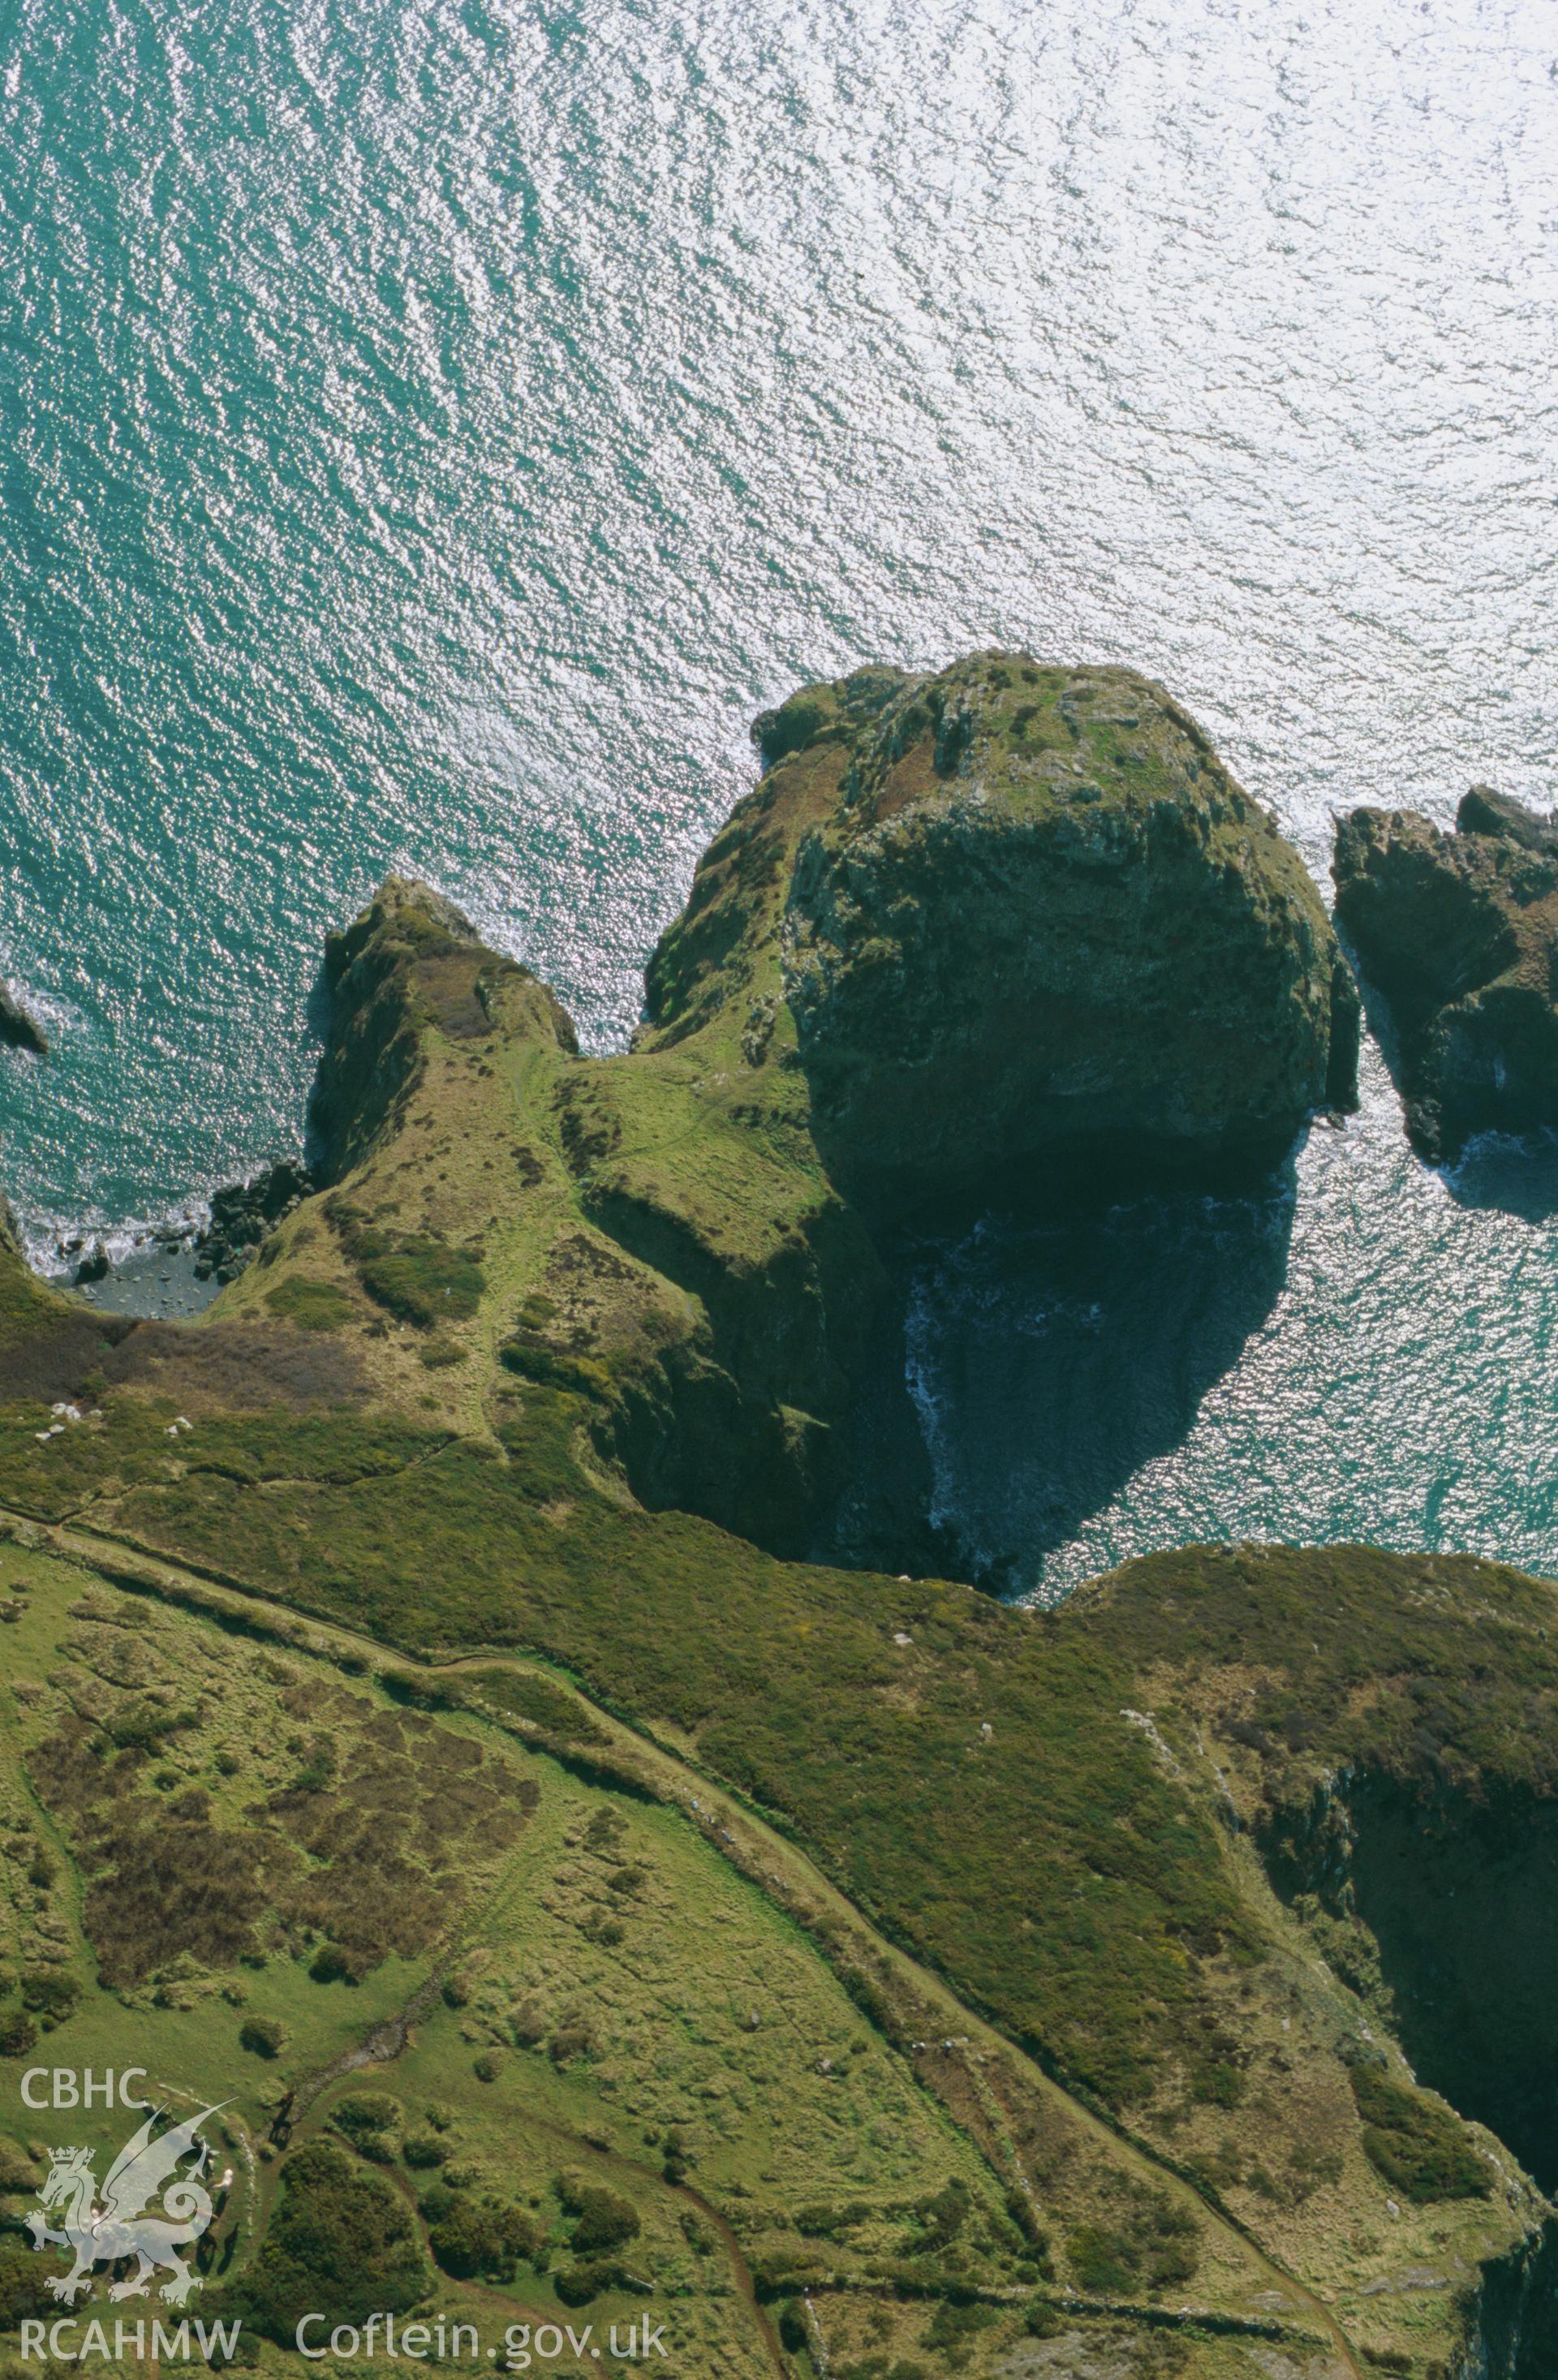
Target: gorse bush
<point x="311" y="1305"/>
<point x="341" y="2237"/>
<point x="602" y="2219"/>
<point x="1152" y="2244"/>
<point x="417" y="1277"/>
<point x="1421" y="2149"/>
<point x="482" y="2238"/>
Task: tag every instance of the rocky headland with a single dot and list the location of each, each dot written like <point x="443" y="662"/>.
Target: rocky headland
<point x="1460" y="933"/>
<point x="1174" y="1909"/>
<point x="1020" y="930"/>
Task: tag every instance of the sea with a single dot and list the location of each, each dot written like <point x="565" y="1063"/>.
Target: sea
<point x="428" y="432"/>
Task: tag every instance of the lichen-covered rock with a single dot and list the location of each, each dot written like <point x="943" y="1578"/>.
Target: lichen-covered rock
<point x="1460" y="933"/>
<point x="1036" y="929"/>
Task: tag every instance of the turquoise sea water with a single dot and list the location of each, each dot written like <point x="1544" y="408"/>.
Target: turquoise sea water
<point x="428" y="432"/>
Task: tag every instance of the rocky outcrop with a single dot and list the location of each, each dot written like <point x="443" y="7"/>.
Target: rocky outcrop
<point x="19" y="1028"/>
<point x="409" y="961"/>
<point x="1038" y="931"/>
<point x="1460" y="933"/>
<point x="243" y="1214"/>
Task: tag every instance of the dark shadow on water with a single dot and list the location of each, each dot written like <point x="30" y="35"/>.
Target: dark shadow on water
<point x="1510" y="1176"/>
<point x="1049" y="1364"/>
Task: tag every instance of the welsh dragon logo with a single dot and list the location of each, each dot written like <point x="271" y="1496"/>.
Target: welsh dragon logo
<point x="120" y="2227"/>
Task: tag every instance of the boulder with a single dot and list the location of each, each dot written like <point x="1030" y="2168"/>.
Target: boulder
<point x="244" y="1213"/>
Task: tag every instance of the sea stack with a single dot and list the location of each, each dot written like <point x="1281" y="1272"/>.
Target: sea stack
<point x="1460" y="933"/>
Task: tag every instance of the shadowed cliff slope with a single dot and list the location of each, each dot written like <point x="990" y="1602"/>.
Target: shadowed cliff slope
<point x="1025" y="927"/>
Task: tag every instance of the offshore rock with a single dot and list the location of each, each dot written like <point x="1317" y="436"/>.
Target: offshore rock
<point x="1460" y="932"/>
<point x="19" y="1029"/>
<point x="1043" y="933"/>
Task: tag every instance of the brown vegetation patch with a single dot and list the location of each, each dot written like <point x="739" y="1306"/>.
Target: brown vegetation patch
<point x="174" y="1882"/>
<point x="368" y="1841"/>
<point x="912" y="780"/>
<point x="237" y="1366"/>
<point x="71" y="1776"/>
<point x="50" y="1365"/>
<point x="454" y="994"/>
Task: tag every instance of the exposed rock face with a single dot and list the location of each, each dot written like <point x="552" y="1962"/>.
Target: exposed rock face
<point x="18" y="1031"/>
<point x="1039" y="930"/>
<point x="243" y="1213"/>
<point x="1460" y="932"/>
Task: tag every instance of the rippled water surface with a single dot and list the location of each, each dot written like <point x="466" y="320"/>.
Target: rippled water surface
<point x="430" y="431"/>
<point x="1368" y="1353"/>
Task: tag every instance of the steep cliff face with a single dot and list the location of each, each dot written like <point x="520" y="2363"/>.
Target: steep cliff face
<point x="1381" y="1734"/>
<point x="1460" y="932"/>
<point x="1014" y="924"/>
<point x="1044" y="932"/>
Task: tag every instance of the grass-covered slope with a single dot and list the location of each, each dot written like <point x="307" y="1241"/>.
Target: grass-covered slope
<point x="603" y="2066"/>
<point x="1388" y="1732"/>
<point x="1073" y="1873"/>
<point x="242" y="1846"/>
<point x="529" y="1388"/>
